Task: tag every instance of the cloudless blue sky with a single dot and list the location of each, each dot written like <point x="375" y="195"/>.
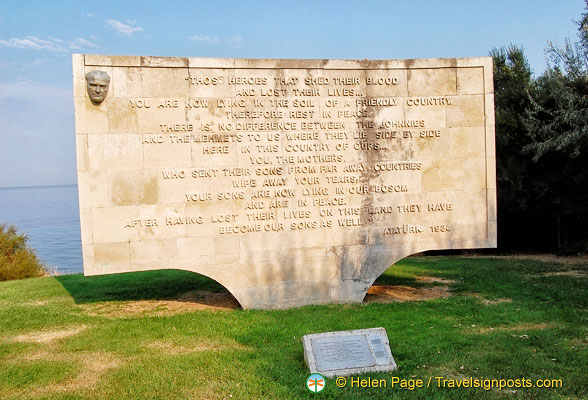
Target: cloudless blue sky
<point x="37" y="38"/>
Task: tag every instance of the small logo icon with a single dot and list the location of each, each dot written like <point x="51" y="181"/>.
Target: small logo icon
<point x="315" y="383"/>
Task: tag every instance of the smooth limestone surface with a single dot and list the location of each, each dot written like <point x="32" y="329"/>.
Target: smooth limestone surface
<point x="290" y="182"/>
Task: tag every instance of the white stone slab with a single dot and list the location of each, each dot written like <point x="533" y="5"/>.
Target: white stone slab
<point x="346" y="353"/>
<point x="289" y="182"/>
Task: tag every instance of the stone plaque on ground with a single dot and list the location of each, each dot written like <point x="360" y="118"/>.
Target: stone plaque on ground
<point x="348" y="352"/>
<point x="290" y="182"/>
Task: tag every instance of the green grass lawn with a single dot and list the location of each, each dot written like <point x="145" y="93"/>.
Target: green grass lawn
<point x="127" y="337"/>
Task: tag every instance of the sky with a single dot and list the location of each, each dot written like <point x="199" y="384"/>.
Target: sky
<point x="37" y="38"/>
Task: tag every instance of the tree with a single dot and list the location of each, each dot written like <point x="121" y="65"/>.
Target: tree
<point x="512" y="84"/>
<point x="558" y="118"/>
<point x="541" y="145"/>
<point x="557" y="125"/>
<point x="17" y="259"/>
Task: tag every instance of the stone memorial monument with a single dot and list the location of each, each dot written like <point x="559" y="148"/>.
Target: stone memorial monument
<point x="290" y="182"/>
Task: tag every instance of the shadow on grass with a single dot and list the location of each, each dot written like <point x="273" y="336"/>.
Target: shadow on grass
<point x="150" y="285"/>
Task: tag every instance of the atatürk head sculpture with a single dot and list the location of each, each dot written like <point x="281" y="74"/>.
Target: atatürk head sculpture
<point x="97" y="85"/>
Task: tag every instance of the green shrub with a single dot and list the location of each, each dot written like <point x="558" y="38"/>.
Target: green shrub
<point x="17" y="259"/>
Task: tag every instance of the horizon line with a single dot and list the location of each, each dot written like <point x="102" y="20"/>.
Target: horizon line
<point x="36" y="186"/>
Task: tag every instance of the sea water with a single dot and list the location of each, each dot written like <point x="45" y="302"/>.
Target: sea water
<point x="50" y="217"/>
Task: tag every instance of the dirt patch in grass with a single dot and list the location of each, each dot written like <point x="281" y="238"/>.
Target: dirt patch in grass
<point x="483" y="330"/>
<point x="39" y="355"/>
<point x="488" y="302"/>
<point x="434" y="279"/>
<point x="573" y="273"/>
<point x="188" y="302"/>
<point x="579" y="342"/>
<point x="169" y="347"/>
<point x="35" y="303"/>
<point x="48" y="336"/>
<point x="92" y="366"/>
<point x="401" y="293"/>
<point x="542" y="257"/>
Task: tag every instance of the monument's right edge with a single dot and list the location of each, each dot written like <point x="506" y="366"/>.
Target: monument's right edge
<point x="490" y="148"/>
